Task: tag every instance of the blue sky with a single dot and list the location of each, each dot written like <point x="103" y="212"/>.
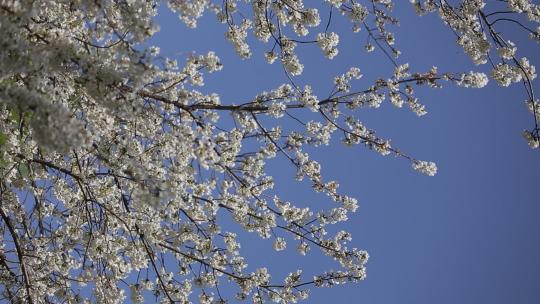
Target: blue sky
<point x="467" y="235"/>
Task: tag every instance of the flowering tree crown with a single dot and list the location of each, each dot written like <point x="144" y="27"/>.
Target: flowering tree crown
<point x="115" y="168"/>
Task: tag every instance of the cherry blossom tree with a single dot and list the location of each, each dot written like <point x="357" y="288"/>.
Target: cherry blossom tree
<point x="115" y="169"/>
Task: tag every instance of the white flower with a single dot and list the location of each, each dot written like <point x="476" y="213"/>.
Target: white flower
<point x="532" y="140"/>
<point x="369" y="47"/>
<point x="505" y="74"/>
<point x="395" y="99"/>
<point x="277" y="109"/>
<point x="529" y="69"/>
<point x="417" y="108"/>
<point x="402" y="71"/>
<point x="534" y="107"/>
<point x="279" y="244"/>
<point x="519" y="6"/>
<point x="270" y="57"/>
<point x="328" y="43"/>
<point x="473" y="80"/>
<point x="507" y="52"/>
<point x="358" y="12"/>
<point x="308" y="99"/>
<point x="303" y="248"/>
<point x="427" y="168"/>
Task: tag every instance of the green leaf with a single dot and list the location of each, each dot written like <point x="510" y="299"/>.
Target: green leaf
<point x="3" y="139"/>
<point x="28" y="115"/>
<point x="3" y="163"/>
<point x="23" y="170"/>
<point x="14" y="114"/>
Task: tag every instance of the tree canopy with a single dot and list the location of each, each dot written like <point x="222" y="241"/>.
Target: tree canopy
<point x="116" y="167"/>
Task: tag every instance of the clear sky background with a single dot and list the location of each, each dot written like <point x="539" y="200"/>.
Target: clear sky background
<point x="470" y="234"/>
